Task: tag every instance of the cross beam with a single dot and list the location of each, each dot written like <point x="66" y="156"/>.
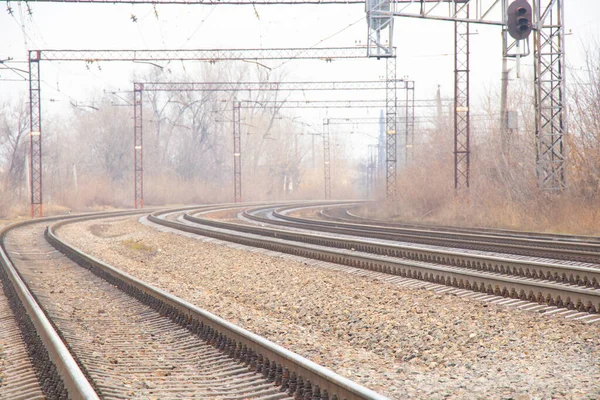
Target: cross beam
<point x="425" y="103"/>
<point x="268" y="86"/>
<point x="484" y="11"/>
<point x="426" y="9"/>
<point x="204" y="2"/>
<point x="299" y="53"/>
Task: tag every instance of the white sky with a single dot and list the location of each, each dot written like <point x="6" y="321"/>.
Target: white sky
<point x="425" y="48"/>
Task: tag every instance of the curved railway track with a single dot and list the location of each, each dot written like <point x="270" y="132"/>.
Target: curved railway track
<point x="120" y="338"/>
<point x="584" y="249"/>
<point x="583" y="274"/>
<point x="558" y="284"/>
<point x="350" y="214"/>
<point x="17" y="373"/>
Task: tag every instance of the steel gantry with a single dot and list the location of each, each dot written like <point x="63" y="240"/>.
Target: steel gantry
<point x="210" y="55"/>
<point x="327" y="122"/>
<point x="409" y="105"/>
<point x="409" y="122"/>
<point x="239" y="104"/>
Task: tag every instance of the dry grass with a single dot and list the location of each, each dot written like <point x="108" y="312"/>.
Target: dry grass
<point x="556" y="214"/>
<point x="138" y="245"/>
<point x="170" y="189"/>
<point x="500" y="196"/>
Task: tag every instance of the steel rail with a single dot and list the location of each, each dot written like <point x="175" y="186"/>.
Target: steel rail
<point x="53" y="360"/>
<point x="562" y="295"/>
<point x="546" y="248"/>
<point x="534" y="238"/>
<point x="333" y="214"/>
<point x="257" y="352"/>
<point x="578" y="275"/>
<point x="589" y="246"/>
<point x="353" y="218"/>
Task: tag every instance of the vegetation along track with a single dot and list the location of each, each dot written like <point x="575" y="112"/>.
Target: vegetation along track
<point x="130" y="340"/>
<point x="520" y="278"/>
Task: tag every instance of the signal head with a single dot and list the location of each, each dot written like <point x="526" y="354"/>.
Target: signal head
<point x="520" y="19"/>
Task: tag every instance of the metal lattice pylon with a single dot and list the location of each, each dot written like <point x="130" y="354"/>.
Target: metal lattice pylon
<point x="138" y="163"/>
<point x="390" y="126"/>
<point x="326" y="159"/>
<point x="35" y="134"/>
<point x="372" y="170"/>
<point x="549" y="81"/>
<point x="409" y="139"/>
<point x="462" y="151"/>
<point x="237" y="153"/>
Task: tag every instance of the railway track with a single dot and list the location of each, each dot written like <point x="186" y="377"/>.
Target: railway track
<point x="583" y="274"/>
<point x="581" y="249"/>
<point x="120" y="338"/>
<point x="17" y="373"/>
<point x="558" y="284"/>
<point x="349" y="213"/>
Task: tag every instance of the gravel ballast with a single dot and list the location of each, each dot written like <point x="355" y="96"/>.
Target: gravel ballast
<point x="398" y="341"/>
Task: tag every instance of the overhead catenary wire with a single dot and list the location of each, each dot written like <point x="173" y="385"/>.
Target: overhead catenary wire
<point x="323" y="40"/>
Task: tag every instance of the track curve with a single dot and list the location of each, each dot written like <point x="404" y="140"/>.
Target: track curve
<point x="131" y="340"/>
<point x="571" y="287"/>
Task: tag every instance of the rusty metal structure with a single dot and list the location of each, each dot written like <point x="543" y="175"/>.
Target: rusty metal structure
<point x="138" y="154"/>
<point x="237" y="153"/>
<point x="462" y="122"/>
<point x="390" y="126"/>
<point x="35" y="132"/>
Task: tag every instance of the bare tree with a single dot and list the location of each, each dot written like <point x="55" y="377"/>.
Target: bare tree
<point x="14" y="125"/>
<point x="584" y="149"/>
<point x="104" y="139"/>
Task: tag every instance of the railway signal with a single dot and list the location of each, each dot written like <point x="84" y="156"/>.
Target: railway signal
<point x="519" y="19"/>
